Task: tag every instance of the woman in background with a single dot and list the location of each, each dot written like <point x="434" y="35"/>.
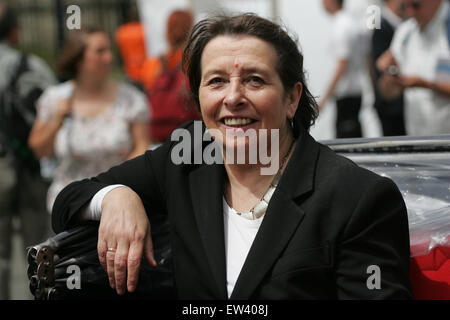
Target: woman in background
<point x="179" y="25"/>
<point x="167" y="86"/>
<point x="89" y="122"/>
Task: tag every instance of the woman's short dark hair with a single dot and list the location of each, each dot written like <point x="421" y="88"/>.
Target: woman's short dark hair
<point x="290" y="60"/>
<point x="73" y="52"/>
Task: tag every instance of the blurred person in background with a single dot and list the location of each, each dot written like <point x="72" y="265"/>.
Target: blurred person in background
<point x="130" y="40"/>
<point x="346" y="86"/>
<point x="23" y="77"/>
<point x="418" y="64"/>
<point x="90" y="122"/>
<point x="179" y="25"/>
<point x="165" y="82"/>
<point x="390" y="111"/>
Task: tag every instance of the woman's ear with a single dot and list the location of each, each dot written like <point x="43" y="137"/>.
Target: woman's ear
<point x="293" y="99"/>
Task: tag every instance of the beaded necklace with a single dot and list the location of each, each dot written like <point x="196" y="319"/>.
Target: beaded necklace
<point x="260" y="208"/>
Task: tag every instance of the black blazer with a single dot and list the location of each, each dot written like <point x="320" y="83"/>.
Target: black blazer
<point x="327" y="222"/>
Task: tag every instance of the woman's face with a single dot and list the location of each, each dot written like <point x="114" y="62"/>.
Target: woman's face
<point x="240" y="88"/>
<point x="97" y="57"/>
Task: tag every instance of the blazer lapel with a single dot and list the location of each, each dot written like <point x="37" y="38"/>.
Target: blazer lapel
<point x="282" y="218"/>
<point x="206" y="187"/>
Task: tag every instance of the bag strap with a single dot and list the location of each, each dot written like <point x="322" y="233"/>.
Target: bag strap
<point x="165" y="65"/>
<point x="171" y="73"/>
<point x="21" y="68"/>
<point x="6" y="110"/>
<point x="11" y="87"/>
<point x="27" y="115"/>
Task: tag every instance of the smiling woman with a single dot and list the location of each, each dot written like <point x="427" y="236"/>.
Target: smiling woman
<point x="250" y="95"/>
<point x="309" y="230"/>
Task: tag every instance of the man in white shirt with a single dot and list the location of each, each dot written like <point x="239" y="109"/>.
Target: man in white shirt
<point x="349" y="51"/>
<point x="418" y="62"/>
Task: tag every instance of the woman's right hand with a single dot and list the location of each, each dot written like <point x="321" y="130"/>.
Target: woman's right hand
<point x="123" y="237"/>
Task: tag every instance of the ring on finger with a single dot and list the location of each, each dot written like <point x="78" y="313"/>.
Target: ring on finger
<point x="111" y="249"/>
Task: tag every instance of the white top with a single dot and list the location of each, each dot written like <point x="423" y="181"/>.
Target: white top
<point x="422" y="53"/>
<point x="348" y="44"/>
<point x="85" y="147"/>
<point x="239" y="234"/>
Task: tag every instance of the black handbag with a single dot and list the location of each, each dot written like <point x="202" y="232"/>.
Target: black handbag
<point x="66" y="266"/>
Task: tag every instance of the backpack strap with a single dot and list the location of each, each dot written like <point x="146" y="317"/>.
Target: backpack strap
<point x="8" y="104"/>
<point x="11" y="87"/>
<point x="163" y="63"/>
<point x="21" y="68"/>
<point x="170" y="73"/>
<point x="27" y="115"/>
<point x="165" y="66"/>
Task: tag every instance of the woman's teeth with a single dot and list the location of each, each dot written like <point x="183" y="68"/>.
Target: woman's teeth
<point x="237" y="121"/>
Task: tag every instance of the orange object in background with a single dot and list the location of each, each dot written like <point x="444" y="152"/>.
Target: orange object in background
<point x="430" y="275"/>
<point x="152" y="67"/>
<point x="131" y="43"/>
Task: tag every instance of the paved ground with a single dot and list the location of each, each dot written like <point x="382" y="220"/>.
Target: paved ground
<point x="19" y="285"/>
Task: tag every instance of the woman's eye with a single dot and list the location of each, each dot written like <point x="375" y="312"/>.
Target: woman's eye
<point x="257" y="81"/>
<point x="215" y="81"/>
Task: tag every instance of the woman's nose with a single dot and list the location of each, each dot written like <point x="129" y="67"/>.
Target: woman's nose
<point x="234" y="95"/>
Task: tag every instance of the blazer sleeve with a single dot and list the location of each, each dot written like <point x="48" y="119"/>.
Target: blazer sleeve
<point x="144" y="174"/>
<point x="375" y="247"/>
